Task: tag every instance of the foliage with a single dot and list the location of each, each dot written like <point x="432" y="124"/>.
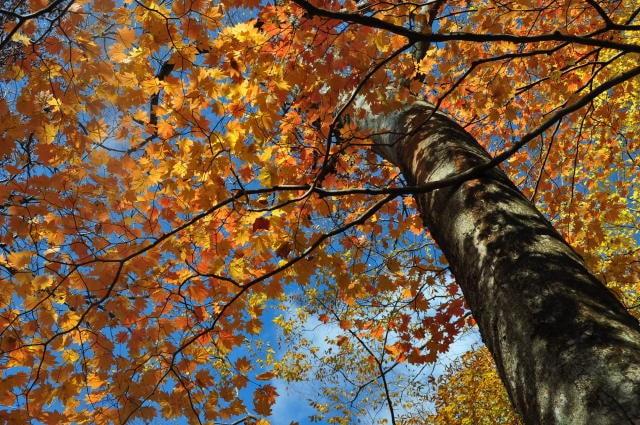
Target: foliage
<point x="471" y="393"/>
<point x="173" y="171"/>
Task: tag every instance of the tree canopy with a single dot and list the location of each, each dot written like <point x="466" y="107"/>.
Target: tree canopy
<point x="185" y="182"/>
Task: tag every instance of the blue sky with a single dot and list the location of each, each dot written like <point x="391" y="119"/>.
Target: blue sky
<point x="292" y="404"/>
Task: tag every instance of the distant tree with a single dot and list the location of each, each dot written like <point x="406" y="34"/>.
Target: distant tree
<point x="470" y="392"/>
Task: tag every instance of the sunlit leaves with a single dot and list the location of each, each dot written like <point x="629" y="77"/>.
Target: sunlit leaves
<point x="135" y="261"/>
<point x="470" y="392"/>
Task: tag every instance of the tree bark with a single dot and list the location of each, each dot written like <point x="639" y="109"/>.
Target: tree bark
<point x="566" y="349"/>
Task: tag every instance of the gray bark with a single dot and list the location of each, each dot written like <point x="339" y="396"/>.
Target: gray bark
<point x="566" y="349"/>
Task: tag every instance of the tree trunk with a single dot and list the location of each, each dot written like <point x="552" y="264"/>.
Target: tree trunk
<point x="566" y="349"/>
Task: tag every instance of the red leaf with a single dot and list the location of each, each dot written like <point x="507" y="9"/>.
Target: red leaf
<point x="261" y="223"/>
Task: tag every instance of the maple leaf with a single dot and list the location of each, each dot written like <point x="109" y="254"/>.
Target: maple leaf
<point x="265" y="376"/>
<point x="243" y="365"/>
<point x="70" y="356"/>
<point x="19" y="260"/>
<point x="123" y="246"/>
<point x="261" y="223"/>
<point x="264" y="398"/>
<point x="127" y="36"/>
<point x="283" y="250"/>
<point x="165" y="129"/>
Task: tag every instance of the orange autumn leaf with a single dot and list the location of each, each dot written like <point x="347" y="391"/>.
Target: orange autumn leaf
<point x="193" y="193"/>
<point x="264" y="398"/>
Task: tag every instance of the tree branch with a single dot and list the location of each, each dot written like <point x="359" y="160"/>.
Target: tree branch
<point x="415" y="36"/>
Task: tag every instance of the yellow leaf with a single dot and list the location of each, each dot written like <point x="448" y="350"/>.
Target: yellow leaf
<point x="236" y="269"/>
<point x="69" y="320"/>
<point x="19" y="259"/>
<point x="70" y="356"/>
<point x="40" y="282"/>
<point x="21" y="38"/>
<point x="282" y="85"/>
<point x="151" y="86"/>
<point x="94" y="380"/>
<point x="266" y="177"/>
<point x="180" y="169"/>
<point x="267" y="154"/>
<point x="141" y="115"/>
<point x="165" y="130"/>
